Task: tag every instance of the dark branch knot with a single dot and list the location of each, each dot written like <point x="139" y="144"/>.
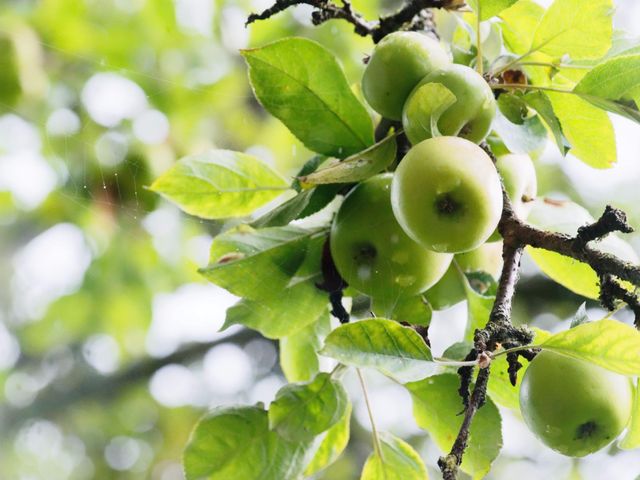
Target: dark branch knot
<point x="612" y="220"/>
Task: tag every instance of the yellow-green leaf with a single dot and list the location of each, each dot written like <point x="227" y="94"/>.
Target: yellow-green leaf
<point x="220" y="184"/>
<point x="576" y="28"/>
<point x="332" y="445"/>
<point x="608" y="343"/>
<point x="398" y="461"/>
<point x="393" y="349"/>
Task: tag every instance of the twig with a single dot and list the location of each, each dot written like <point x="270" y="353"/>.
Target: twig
<point x="411" y="16"/>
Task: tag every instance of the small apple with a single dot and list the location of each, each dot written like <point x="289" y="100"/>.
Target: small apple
<point x="446" y="194"/>
<point x="519" y="178"/>
<point x="574" y="407"/>
<point x="372" y="252"/>
<point x="396" y="65"/>
<point x="470" y="116"/>
<point x="450" y="290"/>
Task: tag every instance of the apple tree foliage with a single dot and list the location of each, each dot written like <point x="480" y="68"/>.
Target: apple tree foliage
<point x="556" y="74"/>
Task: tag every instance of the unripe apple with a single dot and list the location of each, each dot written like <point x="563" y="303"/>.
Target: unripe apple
<point x="470" y="116"/>
<point x="446" y="194"/>
<point x="574" y="407"/>
<point x="373" y="253"/>
<point x="396" y="66"/>
<point x="519" y="178"/>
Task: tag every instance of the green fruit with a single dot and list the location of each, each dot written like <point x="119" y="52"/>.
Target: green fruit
<point x="519" y="178"/>
<point x="469" y="117"/>
<point x="574" y="407"/>
<point x="450" y="288"/>
<point x="372" y="252"/>
<point x="396" y="66"/>
<point x="446" y="194"/>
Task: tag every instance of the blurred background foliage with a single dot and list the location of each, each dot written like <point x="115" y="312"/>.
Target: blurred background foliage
<point x="109" y="348"/>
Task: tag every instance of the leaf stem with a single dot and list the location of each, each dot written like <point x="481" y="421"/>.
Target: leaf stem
<point x="517" y="86"/>
<point x="374" y="430"/>
<point x="514" y="349"/>
<point x="557" y="65"/>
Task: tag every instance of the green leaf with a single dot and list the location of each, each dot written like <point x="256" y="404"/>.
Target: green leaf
<point x="299" y="351"/>
<point x="257" y="264"/>
<point x="398" y="461"/>
<point x="513" y="107"/>
<point x="542" y="105"/>
<point x="332" y="445"/>
<point x="436" y="408"/>
<point x="302" y="411"/>
<point x="566" y="217"/>
<point x="610" y="81"/>
<point x="632" y="438"/>
<point x="519" y="23"/>
<point x="300" y="82"/>
<point x="608" y="343"/>
<point x="220" y="184"/>
<point x="393" y="349"/>
<point x="302" y="205"/>
<point x="525" y="138"/>
<point x="587" y="128"/>
<point x="291" y="310"/>
<point x="576" y="28"/>
<point x="427" y="105"/>
<point x="235" y="442"/>
<point x="357" y="167"/>
<point x="490" y="8"/>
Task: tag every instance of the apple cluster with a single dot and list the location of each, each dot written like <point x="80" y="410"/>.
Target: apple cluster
<point x="396" y="235"/>
<point x="417" y="231"/>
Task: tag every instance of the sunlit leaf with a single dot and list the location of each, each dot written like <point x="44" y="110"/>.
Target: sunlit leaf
<point x="575" y="28"/>
<point x="519" y="23"/>
<point x="436" y="405"/>
<point x="527" y="137"/>
<point x="386" y="345"/>
<point x="220" y="184"/>
<point x="235" y="442"/>
<point x="398" y="461"/>
<point x="608" y="343"/>
<point x="302" y="411"/>
<point x="490" y="8"/>
<point x="332" y="445"/>
<point x="428" y="102"/>
<point x="300" y="82"/>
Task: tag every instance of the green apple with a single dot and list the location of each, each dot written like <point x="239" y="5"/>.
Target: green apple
<point x="470" y="116"/>
<point x="574" y="407"/>
<point x="372" y="252"/>
<point x="446" y="194"/>
<point x="396" y="65"/>
<point x="519" y="178"/>
<point x="450" y="290"/>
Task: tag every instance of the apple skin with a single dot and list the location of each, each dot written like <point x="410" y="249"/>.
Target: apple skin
<point x="469" y="117"/>
<point x="574" y="407"/>
<point x="395" y="67"/>
<point x="372" y="252"/>
<point x="519" y="178"/>
<point x="446" y="194"/>
<point x="450" y="290"/>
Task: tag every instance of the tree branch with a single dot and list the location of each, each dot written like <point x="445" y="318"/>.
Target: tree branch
<point x="412" y="16"/>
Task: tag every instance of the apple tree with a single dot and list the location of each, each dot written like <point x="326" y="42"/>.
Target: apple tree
<point x="422" y="194"/>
